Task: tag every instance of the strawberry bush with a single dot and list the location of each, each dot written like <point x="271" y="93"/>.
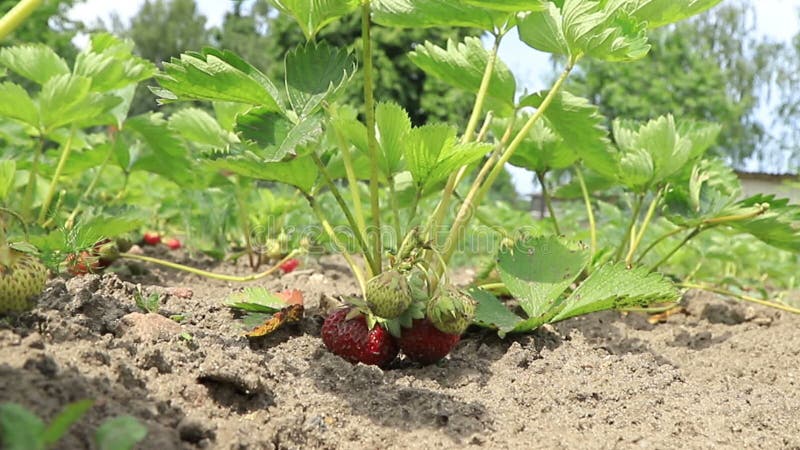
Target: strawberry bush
<point x="398" y="202"/>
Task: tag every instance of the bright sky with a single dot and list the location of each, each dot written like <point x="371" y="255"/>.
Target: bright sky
<point x="777" y="19"/>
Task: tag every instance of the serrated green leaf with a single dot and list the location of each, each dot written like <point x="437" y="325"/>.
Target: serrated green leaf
<point x="256" y="299"/>
<point x="68" y="416"/>
<point x="580" y="125"/>
<point x="462" y="65"/>
<point x="120" y="433"/>
<point x="316" y="72"/>
<point x="636" y="169"/>
<point x="779" y="226"/>
<point x="215" y="76"/>
<point x="511" y="6"/>
<point x="393" y="125"/>
<point x="272" y="137"/>
<point x="100" y="227"/>
<point x="492" y="313"/>
<point x="199" y="128"/>
<point x="538" y="270"/>
<point x="67" y="99"/>
<point x="435" y="13"/>
<point x="226" y="113"/>
<point x="36" y="62"/>
<point x="313" y="15"/>
<point x="15" y="103"/>
<point x="658" y="13"/>
<point x="613" y="286"/>
<point x="21" y="429"/>
<point x="299" y="172"/>
<point x="112" y="69"/>
<point x="541" y="150"/>
<point x="452" y="158"/>
<point x="424" y="146"/>
<point x="600" y="29"/>
<point x="706" y="191"/>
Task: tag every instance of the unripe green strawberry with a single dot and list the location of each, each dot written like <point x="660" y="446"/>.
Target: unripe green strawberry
<point x="451" y="311"/>
<point x="388" y="294"/>
<point x="21" y="278"/>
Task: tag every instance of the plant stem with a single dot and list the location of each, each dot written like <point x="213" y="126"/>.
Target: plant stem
<point x="352" y="182"/>
<point x="666" y="258"/>
<point x="212" y="275"/>
<point x="357" y="272"/>
<point x="472" y="124"/>
<point x="14" y="18"/>
<point x="479" y="187"/>
<point x="548" y="202"/>
<point x="27" y="198"/>
<point x="60" y="168"/>
<point x="658" y="241"/>
<point x="627" y="237"/>
<point x="244" y="218"/>
<point x="744" y="297"/>
<point x="374" y="268"/>
<point x="589" y="212"/>
<point x="369" y="105"/>
<point x="639" y="235"/>
<point x="395" y="211"/>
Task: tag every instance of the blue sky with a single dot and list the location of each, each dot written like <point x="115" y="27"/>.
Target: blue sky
<point x="777" y="19"/>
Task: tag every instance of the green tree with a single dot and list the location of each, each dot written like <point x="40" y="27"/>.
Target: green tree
<point x="710" y="68"/>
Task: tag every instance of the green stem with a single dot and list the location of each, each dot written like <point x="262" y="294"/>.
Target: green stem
<point x="65" y="152"/>
<point x="244" y="218"/>
<point x="746" y="298"/>
<point x="71" y="220"/>
<point x="477" y="109"/>
<point x="480" y="188"/>
<point x="395" y="211"/>
<point x="666" y="258"/>
<point x="352" y="182"/>
<point x="346" y="210"/>
<point x="589" y="212"/>
<point x="27" y="199"/>
<point x="485" y="220"/>
<point x="647" y="218"/>
<point x="14" y="18"/>
<point x="627" y="237"/>
<point x="369" y="105"/>
<point x="357" y="272"/>
<point x="658" y="241"/>
<point x="212" y="275"/>
<point x="548" y="202"/>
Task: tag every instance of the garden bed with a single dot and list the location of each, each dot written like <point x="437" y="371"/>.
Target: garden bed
<point x="719" y="374"/>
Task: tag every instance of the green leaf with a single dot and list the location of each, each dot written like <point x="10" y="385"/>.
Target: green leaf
<point x="257" y="299"/>
<point x="217" y="76"/>
<point x="313" y="15"/>
<point x="423" y="148"/>
<point x="462" y="65"/>
<point x="8" y="168"/>
<point x="492" y="313"/>
<point x="435" y="13"/>
<point x="541" y="150"/>
<point x="272" y="137"/>
<point x="198" y="127"/>
<point x="778" y="227"/>
<point x="580" y="125"/>
<point x="394" y="126"/>
<point x="21" y="429"/>
<point x="15" y="103"/>
<point x="299" y="172"/>
<point x="147" y="143"/>
<point x="658" y="13"/>
<point x="67" y="99"/>
<point x="316" y="72"/>
<point x="538" y="270"/>
<point x="119" y="433"/>
<point x="452" y="158"/>
<point x="68" y="416"/>
<point x="114" y="68"/>
<point x="600" y="29"/>
<point x="511" y="6"/>
<point x="36" y="62"/>
<point x="707" y="191"/>
<point x="613" y="286"/>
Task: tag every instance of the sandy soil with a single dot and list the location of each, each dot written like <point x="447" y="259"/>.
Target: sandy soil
<point x="721" y="374"/>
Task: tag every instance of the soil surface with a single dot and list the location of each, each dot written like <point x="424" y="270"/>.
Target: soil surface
<point x="718" y="374"/>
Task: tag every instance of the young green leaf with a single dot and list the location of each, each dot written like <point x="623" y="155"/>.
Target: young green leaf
<point x="452" y="158"/>
<point x="613" y="286"/>
<point x="435" y="13"/>
<point x="778" y="227"/>
<point x="111" y="65"/>
<point x="300" y="172"/>
<point x="462" y="65"/>
<point x="492" y="313"/>
<point x="15" y="103"/>
<point x="272" y="137"/>
<point x="119" y="433"/>
<point x="707" y="191"/>
<point x="258" y="299"/>
<point x="658" y="13"/>
<point x="313" y="15"/>
<point x="394" y="126"/>
<point x="68" y="416"/>
<point x="36" y="62"/>
<point x="538" y="270"/>
<point x="424" y="146"/>
<point x="542" y="150"/>
<point x="217" y="76"/>
<point x="316" y="72"/>
<point x="21" y="429"/>
<point x="200" y="128"/>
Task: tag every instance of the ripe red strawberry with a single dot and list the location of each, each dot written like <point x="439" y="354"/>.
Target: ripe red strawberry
<point x="151" y="238"/>
<point x="352" y="339"/>
<point x="424" y="343"/>
<point x="173" y="243"/>
<point x="290" y="265"/>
